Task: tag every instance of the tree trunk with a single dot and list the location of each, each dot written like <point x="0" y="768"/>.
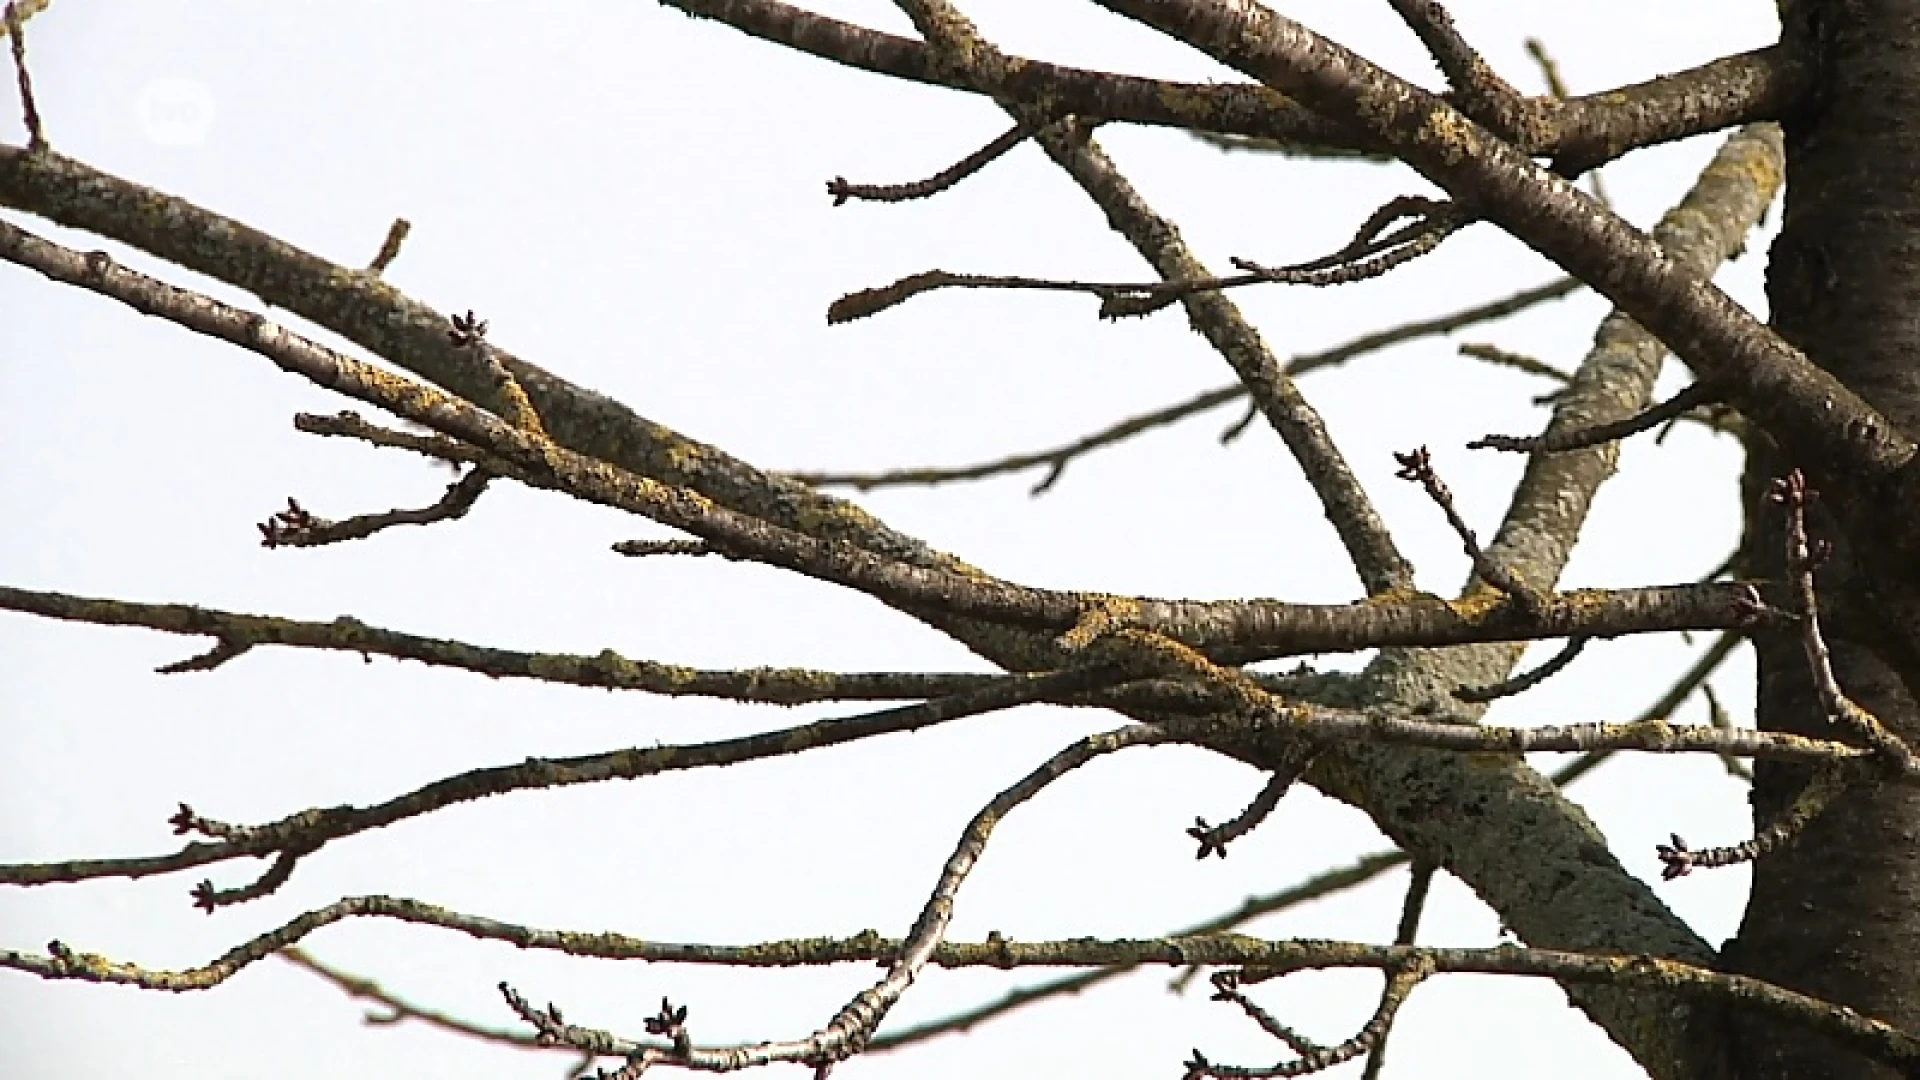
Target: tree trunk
<point x="1836" y="914"/>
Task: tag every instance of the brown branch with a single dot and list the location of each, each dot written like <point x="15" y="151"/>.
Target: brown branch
<point x="349" y="424"/>
<point x="1370" y="547"/>
<point x="1312" y="1059"/>
<point x="1635" y="972"/>
<point x="1419" y="883"/>
<point x="1581" y="133"/>
<point x="1312" y="728"/>
<point x="295" y="527"/>
<point x="1478" y="90"/>
<point x="1215" y="838"/>
<point x="1543" y="521"/>
<point x="1379" y="258"/>
<point x="605" y="670"/>
<point x="1828" y="784"/>
<point x="1226" y="988"/>
<point x="390" y="246"/>
<point x="1652" y="736"/>
<point x="1519" y="684"/>
<point x="1258" y="711"/>
<point x="1253" y="630"/>
<point x="1056" y="459"/>
<point x="1794" y="494"/>
<point x="415" y="338"/>
<point x="842" y="190"/>
<point x="517" y="449"/>
<point x="1565" y="439"/>
<point x="1417" y="466"/>
<point x="469" y="332"/>
<point x="643" y="548"/>
<point x="1517" y="361"/>
<point x="15" y="19"/>
<point x="27" y="9"/>
<point x="1558" y="90"/>
<point x="1367" y="256"/>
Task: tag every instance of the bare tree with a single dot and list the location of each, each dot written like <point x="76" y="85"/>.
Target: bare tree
<point x="1820" y="980"/>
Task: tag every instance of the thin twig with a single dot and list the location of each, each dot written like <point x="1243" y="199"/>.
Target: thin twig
<point x="842" y="190"/>
<point x="296" y="527"/>
<point x="1312" y="1059"/>
<point x="1499" y="357"/>
<point x="1525" y="681"/>
<point x="1827" y="784"/>
<point x="1417" y="465"/>
<point x="1056" y="459"/>
<point x="399" y="1009"/>
<point x="643" y="548"/>
<point x="390" y="247"/>
<point x="1226" y="987"/>
<point x="1215" y="838"/>
<point x="1368" y="256"/>
<point x="305" y="832"/>
<point x="16" y="20"/>
<point x="349" y="424"/>
<point x="1419" y="884"/>
<point x="603" y="670"/>
<point x="1479" y="90"/>
<point x="1313" y="727"/>
<point x="1549" y="68"/>
<point x="1793" y="493"/>
<point x="1554" y="442"/>
<point x="1414" y="904"/>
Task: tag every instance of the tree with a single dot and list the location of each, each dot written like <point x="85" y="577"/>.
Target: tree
<point x="1816" y="982"/>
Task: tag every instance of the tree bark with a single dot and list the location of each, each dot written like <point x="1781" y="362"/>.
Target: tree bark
<point x="1834" y="914"/>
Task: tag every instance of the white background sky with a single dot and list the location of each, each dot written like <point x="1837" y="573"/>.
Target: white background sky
<point x="634" y="199"/>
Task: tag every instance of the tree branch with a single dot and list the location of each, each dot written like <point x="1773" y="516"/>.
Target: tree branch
<point x="301" y="834"/>
<point x="1580" y="133"/>
<point x="1264" y="958"/>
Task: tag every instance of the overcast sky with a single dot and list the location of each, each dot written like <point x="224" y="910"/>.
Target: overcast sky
<point x="635" y="200"/>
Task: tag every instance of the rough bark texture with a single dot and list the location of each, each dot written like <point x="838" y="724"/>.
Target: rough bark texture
<point x="1835" y="915"/>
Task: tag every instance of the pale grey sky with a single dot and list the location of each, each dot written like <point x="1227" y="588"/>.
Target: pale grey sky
<point x="634" y="199"/>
